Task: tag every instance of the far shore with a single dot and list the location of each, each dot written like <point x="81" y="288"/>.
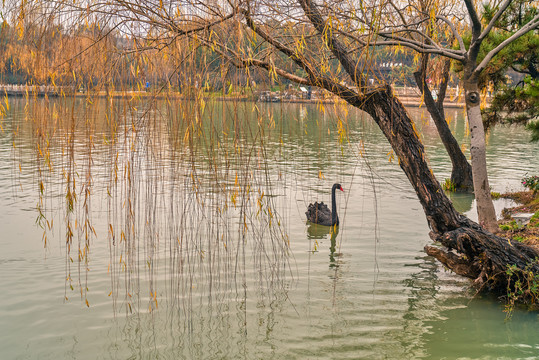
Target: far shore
<point x="408" y="100"/>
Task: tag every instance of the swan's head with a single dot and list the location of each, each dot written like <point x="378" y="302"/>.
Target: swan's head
<point x="338" y="186"/>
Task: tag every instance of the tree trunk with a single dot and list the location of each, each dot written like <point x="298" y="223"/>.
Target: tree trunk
<point x="470" y="250"/>
<point x="394" y="121"/>
<point x="485" y="207"/>
<point x="480" y="254"/>
<point x="461" y="173"/>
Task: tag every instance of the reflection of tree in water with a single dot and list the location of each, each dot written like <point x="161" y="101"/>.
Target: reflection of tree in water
<point x="477" y="329"/>
<point x="210" y="327"/>
<point x="422" y="306"/>
<point x="442" y="321"/>
<point x="462" y="201"/>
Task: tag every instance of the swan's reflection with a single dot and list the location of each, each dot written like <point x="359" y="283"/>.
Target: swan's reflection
<point x="332" y="246"/>
<point x="316" y="232"/>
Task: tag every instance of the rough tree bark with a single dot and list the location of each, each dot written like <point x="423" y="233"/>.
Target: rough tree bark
<point x="461" y="173"/>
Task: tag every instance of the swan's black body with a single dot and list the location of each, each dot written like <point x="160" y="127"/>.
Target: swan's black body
<point x="319" y="213"/>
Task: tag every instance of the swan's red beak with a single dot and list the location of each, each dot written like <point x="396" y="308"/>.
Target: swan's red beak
<point x="342" y="189"/>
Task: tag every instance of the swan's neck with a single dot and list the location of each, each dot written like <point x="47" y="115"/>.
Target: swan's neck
<point x="334" y="217"/>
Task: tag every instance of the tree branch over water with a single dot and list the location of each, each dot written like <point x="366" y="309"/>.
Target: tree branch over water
<point x="332" y="46"/>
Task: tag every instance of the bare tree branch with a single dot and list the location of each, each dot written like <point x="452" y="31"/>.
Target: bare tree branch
<point x="240" y="62"/>
<point x="334" y="44"/>
<point x="460" y="56"/>
<point x="453" y="31"/>
<point x="474" y="17"/>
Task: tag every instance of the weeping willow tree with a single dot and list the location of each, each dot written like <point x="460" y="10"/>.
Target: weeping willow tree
<point x="186" y="182"/>
<point x="332" y="46"/>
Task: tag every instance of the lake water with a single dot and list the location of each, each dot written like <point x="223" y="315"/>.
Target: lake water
<point x="133" y="230"/>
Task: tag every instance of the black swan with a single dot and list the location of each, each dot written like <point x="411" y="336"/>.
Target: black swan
<point x="319" y="213"/>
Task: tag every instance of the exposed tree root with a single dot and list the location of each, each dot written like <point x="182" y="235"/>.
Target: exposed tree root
<point x="494" y="263"/>
<point x="477" y="254"/>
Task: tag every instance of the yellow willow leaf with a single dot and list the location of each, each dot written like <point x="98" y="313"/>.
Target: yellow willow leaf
<point x="321" y="175"/>
<point x="202" y="105"/>
<point x="20" y="29"/>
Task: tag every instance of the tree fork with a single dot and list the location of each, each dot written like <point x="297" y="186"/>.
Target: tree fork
<point x="461" y="173"/>
<point x="470" y="250"/>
